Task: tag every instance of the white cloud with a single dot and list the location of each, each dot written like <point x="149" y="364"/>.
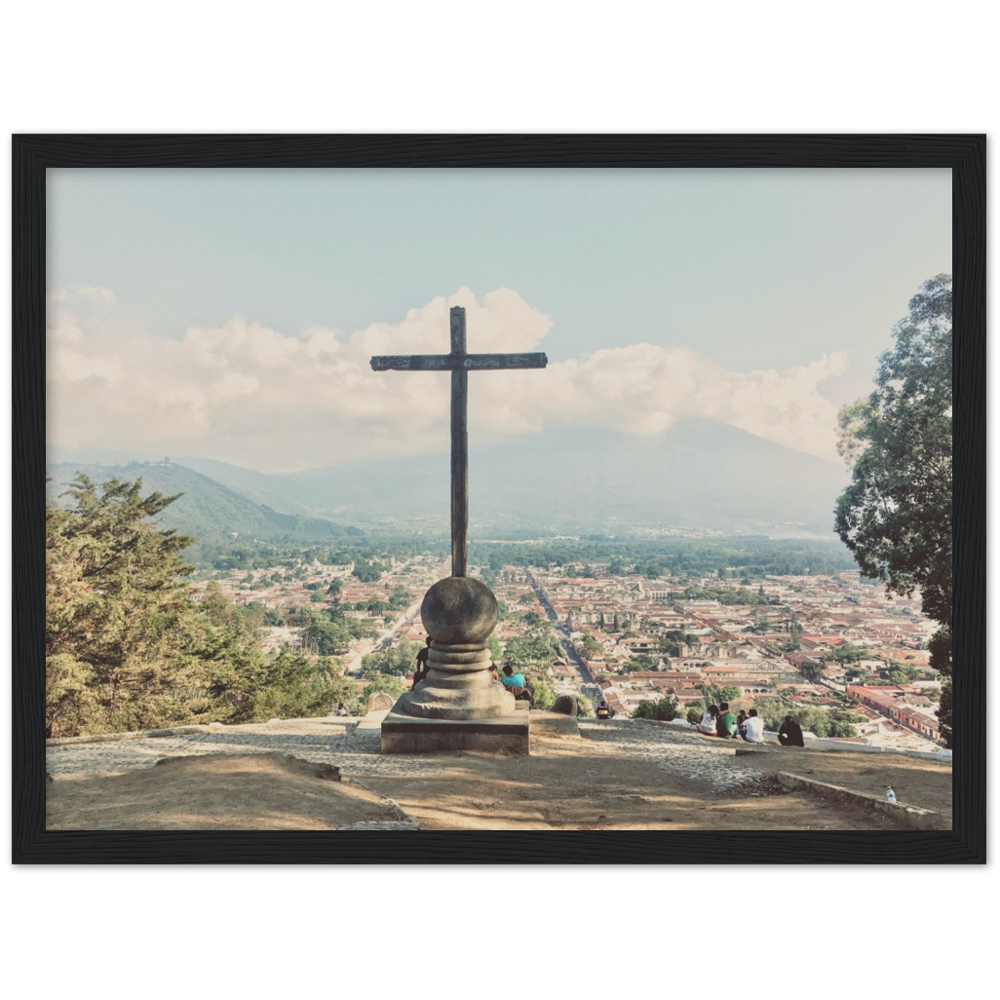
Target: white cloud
<point x="254" y="396"/>
<point x="645" y="389"/>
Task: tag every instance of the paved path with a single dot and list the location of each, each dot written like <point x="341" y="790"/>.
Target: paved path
<point x="325" y="741"/>
<point x="683" y="754"/>
<point x="355" y="750"/>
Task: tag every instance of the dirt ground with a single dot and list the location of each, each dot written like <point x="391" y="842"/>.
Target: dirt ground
<point x="251" y="792"/>
<point x="916" y="782"/>
<point x="567" y="783"/>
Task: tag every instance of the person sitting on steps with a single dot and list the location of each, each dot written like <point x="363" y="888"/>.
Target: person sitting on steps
<point x="790" y="733"/>
<point x="516" y="685"/>
<point x="725" y="724"/>
<point x="421" y="673"/>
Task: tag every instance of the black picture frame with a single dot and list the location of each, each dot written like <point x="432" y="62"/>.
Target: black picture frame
<point x="965" y="155"/>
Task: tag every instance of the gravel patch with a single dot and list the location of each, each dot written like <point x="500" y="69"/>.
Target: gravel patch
<point x="354" y="751"/>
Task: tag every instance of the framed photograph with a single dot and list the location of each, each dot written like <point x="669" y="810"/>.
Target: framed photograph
<point x="493" y="199"/>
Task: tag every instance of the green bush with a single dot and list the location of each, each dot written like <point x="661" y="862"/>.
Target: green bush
<point x="664" y="710"/>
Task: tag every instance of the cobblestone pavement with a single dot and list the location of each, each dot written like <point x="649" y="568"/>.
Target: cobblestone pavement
<point x="686" y="755"/>
<point x="324" y="741"/>
<point x="356" y="751"/>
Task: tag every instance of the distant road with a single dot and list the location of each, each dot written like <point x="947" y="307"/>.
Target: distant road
<point x="563" y="634"/>
<point x="385" y="638"/>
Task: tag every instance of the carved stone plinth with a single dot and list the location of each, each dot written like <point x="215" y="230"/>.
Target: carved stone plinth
<point x="458" y="685"/>
<point x="402" y="733"/>
<point x="459" y="614"/>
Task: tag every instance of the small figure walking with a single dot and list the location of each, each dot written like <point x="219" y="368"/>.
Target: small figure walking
<point x="890" y="794"/>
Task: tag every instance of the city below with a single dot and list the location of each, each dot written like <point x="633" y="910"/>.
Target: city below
<point x="845" y="659"/>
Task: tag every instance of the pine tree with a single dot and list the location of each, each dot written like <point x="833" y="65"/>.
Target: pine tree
<point x="118" y="611"/>
<point x="127" y="649"/>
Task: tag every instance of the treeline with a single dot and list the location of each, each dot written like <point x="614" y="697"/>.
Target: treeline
<point x="735" y="596"/>
<point x="750" y="558"/>
<point x="126" y="648"/>
<point x="374" y="554"/>
<point x="208" y="548"/>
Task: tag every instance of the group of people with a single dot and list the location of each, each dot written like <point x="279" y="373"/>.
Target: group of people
<point x="718" y="720"/>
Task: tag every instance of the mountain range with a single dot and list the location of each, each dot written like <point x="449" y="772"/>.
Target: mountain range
<point x="207" y="509"/>
<point x="698" y="476"/>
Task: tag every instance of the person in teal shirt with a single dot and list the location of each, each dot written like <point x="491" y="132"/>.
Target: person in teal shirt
<point x="510" y="679"/>
<point x="725" y="724"/>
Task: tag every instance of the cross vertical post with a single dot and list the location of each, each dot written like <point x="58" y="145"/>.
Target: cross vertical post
<point x="459" y="447"/>
<point x="459" y="612"/>
<point x="459" y="362"/>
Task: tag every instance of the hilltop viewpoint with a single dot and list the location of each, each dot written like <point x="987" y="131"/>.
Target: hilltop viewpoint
<point x="587" y="774"/>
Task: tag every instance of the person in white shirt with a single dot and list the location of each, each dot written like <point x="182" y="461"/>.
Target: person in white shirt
<point x="753" y="728"/>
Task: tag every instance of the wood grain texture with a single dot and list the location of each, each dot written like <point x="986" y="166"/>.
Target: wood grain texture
<point x="965" y="155"/>
<point x="459" y="362"/>
<point x="452" y="362"/>
<point x="459" y="447"/>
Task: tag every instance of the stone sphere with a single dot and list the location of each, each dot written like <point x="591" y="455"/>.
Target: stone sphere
<point x="458" y="610"/>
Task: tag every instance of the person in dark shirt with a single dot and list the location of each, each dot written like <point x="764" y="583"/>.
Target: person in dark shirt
<point x="421" y="671"/>
<point x="790" y="733"/>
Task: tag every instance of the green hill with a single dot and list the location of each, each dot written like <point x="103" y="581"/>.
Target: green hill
<point x="214" y="514"/>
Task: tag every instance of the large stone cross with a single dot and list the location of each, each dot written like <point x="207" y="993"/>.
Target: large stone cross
<point x="458" y="704"/>
<point x="459" y="363"/>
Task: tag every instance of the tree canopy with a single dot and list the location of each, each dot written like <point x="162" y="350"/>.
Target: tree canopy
<point x="116" y="603"/>
<point x="399" y="660"/>
<point x="896" y="515"/>
<point x="536" y="646"/>
<point x="127" y="648"/>
<point x="663" y="710"/>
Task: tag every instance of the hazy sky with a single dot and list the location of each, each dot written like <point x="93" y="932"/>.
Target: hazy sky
<point x="231" y="313"/>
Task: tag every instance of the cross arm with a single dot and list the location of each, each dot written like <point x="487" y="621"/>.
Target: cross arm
<point x="456" y="362"/>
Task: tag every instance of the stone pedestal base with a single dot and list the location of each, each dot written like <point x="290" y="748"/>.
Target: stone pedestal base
<point x="404" y="733"/>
